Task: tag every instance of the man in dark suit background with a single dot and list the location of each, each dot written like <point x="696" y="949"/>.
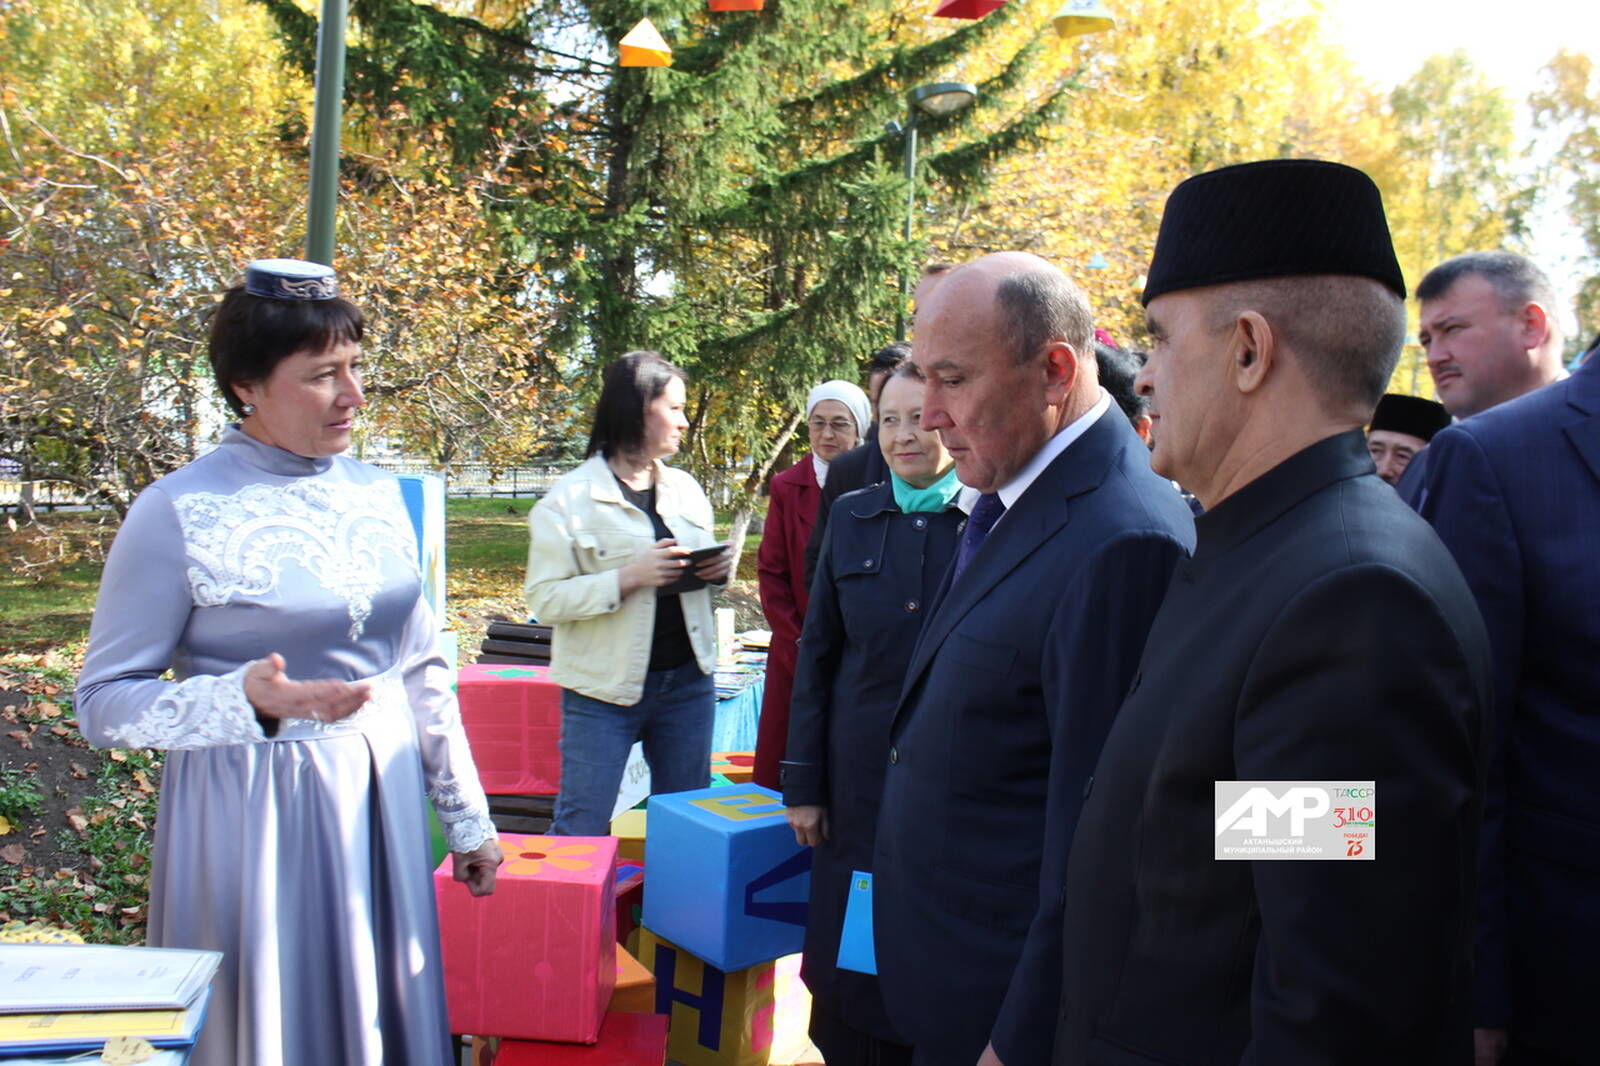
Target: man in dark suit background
<point x="1277" y="311"/>
<point x="1020" y="665"/>
<point x="1488" y="323"/>
<point x="1515" y="495"/>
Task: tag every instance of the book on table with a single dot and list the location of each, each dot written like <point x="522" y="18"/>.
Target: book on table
<point x="59" y="997"/>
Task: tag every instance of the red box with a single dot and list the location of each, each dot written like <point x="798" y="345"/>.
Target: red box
<point x="537" y="959"/>
<point x="625" y="1040"/>
<point x="512" y="715"/>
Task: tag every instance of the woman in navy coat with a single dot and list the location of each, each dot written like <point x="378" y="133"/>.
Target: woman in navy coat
<point x="886" y="551"/>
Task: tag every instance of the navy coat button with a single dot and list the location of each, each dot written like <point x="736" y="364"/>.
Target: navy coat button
<point x="913" y="606"/>
<point x="920" y="523"/>
<point x="894" y="756"/>
<point x="1088" y="786"/>
<point x="867" y="563"/>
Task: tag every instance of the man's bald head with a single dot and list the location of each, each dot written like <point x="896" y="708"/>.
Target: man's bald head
<point x="1006" y="346"/>
<point x="1034" y="302"/>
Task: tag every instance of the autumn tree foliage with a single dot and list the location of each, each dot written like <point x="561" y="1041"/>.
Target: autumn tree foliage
<point x="1566" y="110"/>
<point x="151" y="149"/>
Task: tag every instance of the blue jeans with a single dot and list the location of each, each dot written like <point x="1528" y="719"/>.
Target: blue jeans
<point x="673" y="718"/>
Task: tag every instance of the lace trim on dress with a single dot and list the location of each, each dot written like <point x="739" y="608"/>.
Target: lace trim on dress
<point x="238" y="543"/>
<point x="200" y="712"/>
<point x="465" y="822"/>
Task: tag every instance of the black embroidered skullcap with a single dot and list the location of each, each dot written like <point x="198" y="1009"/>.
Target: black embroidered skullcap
<point x="290" y="279"/>
<point x="1278" y="218"/>
<point x="1410" y="414"/>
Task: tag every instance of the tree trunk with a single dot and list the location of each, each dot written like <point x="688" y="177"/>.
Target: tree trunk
<point x="745" y="509"/>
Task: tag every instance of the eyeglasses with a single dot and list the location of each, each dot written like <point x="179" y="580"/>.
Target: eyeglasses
<point x="838" y="425"/>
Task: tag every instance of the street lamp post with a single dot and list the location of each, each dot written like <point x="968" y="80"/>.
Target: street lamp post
<point x="938" y="99"/>
<point x="324" y="191"/>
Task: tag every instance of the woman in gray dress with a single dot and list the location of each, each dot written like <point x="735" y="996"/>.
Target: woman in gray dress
<point x="309" y="710"/>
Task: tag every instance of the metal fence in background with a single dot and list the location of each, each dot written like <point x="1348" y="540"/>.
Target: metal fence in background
<point x="464" y="479"/>
<point x="481" y="479"/>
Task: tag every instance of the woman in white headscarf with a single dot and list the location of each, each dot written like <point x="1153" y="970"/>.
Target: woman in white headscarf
<point x="837" y="416"/>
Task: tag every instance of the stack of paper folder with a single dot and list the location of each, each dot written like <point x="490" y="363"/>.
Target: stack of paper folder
<point x="62" y="1000"/>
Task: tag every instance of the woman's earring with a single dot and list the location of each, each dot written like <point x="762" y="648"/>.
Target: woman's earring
<point x="249" y="409"/>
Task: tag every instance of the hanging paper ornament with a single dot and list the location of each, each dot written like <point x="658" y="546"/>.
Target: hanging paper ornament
<point x="737" y="5"/>
<point x="1078" y="17"/>
<point x="643" y="47"/>
<point x="967" y="9"/>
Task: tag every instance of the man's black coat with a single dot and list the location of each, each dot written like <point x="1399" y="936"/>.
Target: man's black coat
<point x="1012" y="686"/>
<point x="1321" y="632"/>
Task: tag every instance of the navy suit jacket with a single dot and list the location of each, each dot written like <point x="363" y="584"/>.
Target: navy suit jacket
<point x="1414" y="479"/>
<point x="1010" y="692"/>
<point x="1515" y="494"/>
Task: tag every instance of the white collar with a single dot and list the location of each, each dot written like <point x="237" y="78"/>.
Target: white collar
<point x="819" y="468"/>
<point x="1012" y="490"/>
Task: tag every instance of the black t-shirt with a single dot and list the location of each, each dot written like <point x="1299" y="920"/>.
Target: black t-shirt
<point x="669" y="642"/>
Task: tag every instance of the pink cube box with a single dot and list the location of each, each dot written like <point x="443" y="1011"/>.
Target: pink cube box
<point x="512" y="715"/>
<point x="537" y="959"/>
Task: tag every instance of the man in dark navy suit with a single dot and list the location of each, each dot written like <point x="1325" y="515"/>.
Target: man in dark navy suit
<point x="1515" y="494"/>
<point x="1020" y="666"/>
<point x="1487" y="321"/>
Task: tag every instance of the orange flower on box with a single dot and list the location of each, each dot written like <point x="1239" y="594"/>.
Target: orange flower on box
<point x="528" y="856"/>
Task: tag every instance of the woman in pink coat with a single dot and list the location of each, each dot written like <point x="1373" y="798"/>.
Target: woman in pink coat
<point x="837" y="416"/>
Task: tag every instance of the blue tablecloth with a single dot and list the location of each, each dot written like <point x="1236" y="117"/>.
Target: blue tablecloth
<point x="735" y="726"/>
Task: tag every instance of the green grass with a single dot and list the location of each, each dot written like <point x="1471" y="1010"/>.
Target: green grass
<point x="19" y="795"/>
<point x="49" y="577"/>
<point x="486" y="533"/>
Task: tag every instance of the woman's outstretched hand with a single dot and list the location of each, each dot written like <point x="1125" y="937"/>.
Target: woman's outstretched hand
<point x="274" y="695"/>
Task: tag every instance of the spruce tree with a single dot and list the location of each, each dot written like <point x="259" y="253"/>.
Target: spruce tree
<point x="740" y="211"/>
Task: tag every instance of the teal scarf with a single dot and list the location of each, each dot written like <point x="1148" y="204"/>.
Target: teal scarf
<point x="935" y="497"/>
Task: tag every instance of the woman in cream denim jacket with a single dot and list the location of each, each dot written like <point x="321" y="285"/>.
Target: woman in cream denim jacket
<point x="634" y="663"/>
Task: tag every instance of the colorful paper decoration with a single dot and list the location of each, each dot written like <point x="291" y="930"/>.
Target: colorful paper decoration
<point x="625" y="1040"/>
<point x="727" y="880"/>
<point x="537" y="959"/>
<point x="737" y="5"/>
<point x="967" y="9"/>
<point x="512" y="715"/>
<point x="644" y="47"/>
<point x="736" y="766"/>
<point x="635" y="992"/>
<point x="1078" y="17"/>
<point x="857" y="951"/>
<point x="629" y="829"/>
<point x="718" y="1018"/>
<point x="423" y="495"/>
<point x="629" y="895"/>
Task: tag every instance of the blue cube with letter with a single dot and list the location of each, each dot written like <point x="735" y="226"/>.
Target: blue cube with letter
<point x="727" y="880"/>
